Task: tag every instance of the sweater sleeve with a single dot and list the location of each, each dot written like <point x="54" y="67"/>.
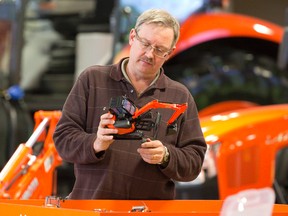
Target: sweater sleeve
<point x="72" y="141"/>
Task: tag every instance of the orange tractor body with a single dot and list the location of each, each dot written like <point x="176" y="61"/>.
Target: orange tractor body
<point x="244" y="144"/>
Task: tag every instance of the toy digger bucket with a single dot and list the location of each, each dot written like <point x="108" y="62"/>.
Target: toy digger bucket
<point x="249" y="202"/>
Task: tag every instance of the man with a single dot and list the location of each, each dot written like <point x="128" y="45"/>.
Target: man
<point x="106" y="168"/>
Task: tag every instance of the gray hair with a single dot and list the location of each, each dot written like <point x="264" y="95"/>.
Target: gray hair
<point x="162" y="18"/>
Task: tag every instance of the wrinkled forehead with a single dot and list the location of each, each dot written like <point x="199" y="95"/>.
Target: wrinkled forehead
<point x="158" y="34"/>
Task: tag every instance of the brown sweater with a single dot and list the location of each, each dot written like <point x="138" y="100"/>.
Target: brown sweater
<point x="120" y="172"/>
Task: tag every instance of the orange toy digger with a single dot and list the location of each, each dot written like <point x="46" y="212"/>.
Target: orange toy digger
<point x="131" y="121"/>
<point x="30" y="175"/>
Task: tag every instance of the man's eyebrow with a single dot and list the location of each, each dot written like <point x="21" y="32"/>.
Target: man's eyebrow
<point x="161" y="47"/>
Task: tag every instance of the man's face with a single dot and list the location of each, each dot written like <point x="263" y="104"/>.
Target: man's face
<point x="151" y="46"/>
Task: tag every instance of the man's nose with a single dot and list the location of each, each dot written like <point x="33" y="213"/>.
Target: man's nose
<point x="150" y="51"/>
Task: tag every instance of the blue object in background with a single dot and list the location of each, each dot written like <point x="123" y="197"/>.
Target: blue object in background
<point x="15" y="93"/>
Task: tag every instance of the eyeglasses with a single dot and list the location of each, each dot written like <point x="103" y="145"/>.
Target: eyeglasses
<point x="146" y="46"/>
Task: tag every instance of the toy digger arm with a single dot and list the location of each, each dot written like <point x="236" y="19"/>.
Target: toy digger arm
<point x="155" y="104"/>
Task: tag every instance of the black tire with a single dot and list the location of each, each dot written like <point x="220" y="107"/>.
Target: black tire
<point x="281" y="176"/>
<point x="4" y="132"/>
<point x="214" y="72"/>
<point x="16" y="127"/>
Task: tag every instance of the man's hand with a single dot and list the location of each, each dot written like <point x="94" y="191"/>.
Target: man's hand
<point x="104" y="135"/>
<point x="152" y="152"/>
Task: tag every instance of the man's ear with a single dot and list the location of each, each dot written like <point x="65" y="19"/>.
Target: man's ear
<point x="170" y="53"/>
<point x="132" y="36"/>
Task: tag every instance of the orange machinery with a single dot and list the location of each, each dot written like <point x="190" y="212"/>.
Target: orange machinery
<point x="244" y="145"/>
<point x="119" y="207"/>
<point x="30" y="172"/>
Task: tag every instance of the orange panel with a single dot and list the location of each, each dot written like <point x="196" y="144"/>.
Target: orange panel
<point x="119" y="207"/>
<point x="200" y="28"/>
<point x="248" y="142"/>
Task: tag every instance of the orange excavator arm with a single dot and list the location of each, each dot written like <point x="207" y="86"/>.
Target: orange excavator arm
<point x="155" y="104"/>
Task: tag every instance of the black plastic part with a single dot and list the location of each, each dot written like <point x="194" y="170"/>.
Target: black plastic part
<point x="136" y="135"/>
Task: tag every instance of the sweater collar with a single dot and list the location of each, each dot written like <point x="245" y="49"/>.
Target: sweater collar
<point x="117" y="74"/>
